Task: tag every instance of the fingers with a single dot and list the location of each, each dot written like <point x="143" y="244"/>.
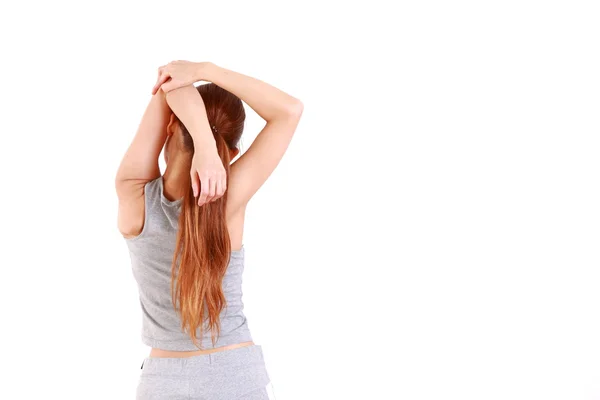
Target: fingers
<point x="220" y="187"/>
<point x="204" y="191"/>
<point x="211" y="189"/>
<point x="160" y="83"/>
<point x="155" y="87"/>
<point x="169" y="85"/>
<point x="208" y="184"/>
<point x="195" y="183"/>
<point x="163" y="76"/>
<point x="212" y="184"/>
<point x="219" y="182"/>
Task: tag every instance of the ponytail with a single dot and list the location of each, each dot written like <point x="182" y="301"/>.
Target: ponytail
<point x="202" y="253"/>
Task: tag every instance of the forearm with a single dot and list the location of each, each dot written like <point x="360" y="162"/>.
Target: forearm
<point x="268" y="101"/>
<point x="188" y="106"/>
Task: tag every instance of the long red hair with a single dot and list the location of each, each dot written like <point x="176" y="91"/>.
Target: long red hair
<point x="203" y="246"/>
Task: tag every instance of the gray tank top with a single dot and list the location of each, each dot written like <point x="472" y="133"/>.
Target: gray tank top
<point x="151" y="257"/>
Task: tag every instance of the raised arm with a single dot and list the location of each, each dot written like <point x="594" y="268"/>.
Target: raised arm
<point x="282" y="113"/>
<point x="207" y="173"/>
<point x="140" y="165"/>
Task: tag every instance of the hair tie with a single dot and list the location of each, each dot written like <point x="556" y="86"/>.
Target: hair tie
<point x="215" y="129"/>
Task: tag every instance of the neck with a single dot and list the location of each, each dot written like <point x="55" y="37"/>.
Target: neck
<point x="176" y="176"/>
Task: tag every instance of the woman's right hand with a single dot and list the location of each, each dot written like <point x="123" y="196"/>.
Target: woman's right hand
<point x="209" y="178"/>
<point x="177" y="74"/>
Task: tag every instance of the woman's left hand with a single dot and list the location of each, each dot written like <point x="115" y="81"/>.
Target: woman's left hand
<point x="177" y="74"/>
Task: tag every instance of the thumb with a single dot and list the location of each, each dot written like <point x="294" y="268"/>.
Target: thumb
<point x="162" y="78"/>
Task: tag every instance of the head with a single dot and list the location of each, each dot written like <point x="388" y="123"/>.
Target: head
<point x="203" y="246"/>
<point x="226" y="117"/>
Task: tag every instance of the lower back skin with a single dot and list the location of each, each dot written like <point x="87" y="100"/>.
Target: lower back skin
<point x="158" y="353"/>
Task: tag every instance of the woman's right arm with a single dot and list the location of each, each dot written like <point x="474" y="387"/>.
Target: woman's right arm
<point x="281" y="112"/>
<point x="140" y="165"/>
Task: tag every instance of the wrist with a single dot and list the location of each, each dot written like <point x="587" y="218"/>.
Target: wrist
<point x="205" y="71"/>
<point x="203" y="142"/>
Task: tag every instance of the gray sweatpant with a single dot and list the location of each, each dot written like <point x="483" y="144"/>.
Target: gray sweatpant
<point x="238" y="374"/>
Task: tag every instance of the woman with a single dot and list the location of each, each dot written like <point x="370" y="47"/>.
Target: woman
<point x="184" y="228"/>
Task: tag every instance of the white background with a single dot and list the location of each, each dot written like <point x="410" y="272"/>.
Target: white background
<point x="432" y="232"/>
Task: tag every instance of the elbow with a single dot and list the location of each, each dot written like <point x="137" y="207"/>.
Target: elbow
<point x="295" y="109"/>
<point x="118" y="182"/>
<point x="290" y="111"/>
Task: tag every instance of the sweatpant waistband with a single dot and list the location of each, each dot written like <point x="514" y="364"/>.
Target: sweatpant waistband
<point x="245" y="355"/>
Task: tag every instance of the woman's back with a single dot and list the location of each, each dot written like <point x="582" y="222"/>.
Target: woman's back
<point x="151" y="256"/>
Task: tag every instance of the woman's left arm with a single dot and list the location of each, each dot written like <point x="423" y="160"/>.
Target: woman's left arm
<point x="208" y="175"/>
<point x="140" y="165"/>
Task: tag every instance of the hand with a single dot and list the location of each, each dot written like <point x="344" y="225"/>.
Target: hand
<point x="177" y="74"/>
<point x="208" y="174"/>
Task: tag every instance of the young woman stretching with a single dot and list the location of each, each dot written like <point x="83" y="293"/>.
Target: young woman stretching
<point x="184" y="228"/>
